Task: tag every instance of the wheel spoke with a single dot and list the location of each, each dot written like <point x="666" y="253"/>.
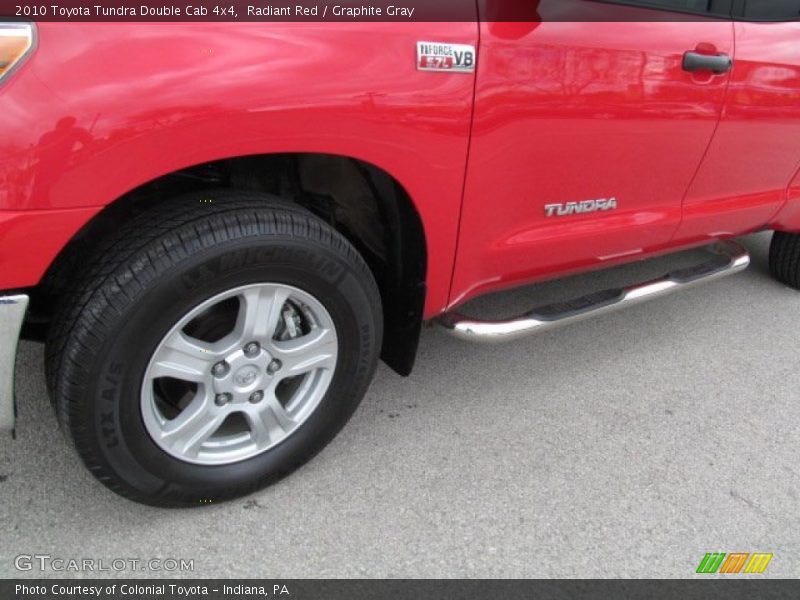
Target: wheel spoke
<point x="229" y="420"/>
<point x="183" y="358"/>
<point x="259" y="313"/>
<point x="316" y="350"/>
<point x="193" y="426"/>
<point x="270" y="422"/>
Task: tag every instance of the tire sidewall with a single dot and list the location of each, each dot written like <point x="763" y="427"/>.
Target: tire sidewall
<point x="113" y="404"/>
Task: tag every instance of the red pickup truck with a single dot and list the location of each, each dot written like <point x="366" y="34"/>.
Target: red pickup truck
<point x="219" y="228"/>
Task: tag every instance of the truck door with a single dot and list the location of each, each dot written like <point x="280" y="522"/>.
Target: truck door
<point x="586" y="135"/>
<point x="756" y="150"/>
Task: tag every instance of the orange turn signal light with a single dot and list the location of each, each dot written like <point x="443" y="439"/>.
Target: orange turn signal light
<point x="16" y="41"/>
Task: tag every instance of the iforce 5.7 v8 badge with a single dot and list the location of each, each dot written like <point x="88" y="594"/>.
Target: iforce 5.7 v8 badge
<point x="436" y="56"/>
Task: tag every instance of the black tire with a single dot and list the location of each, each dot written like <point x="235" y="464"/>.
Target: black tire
<point x="784" y="258"/>
<point x="141" y="279"/>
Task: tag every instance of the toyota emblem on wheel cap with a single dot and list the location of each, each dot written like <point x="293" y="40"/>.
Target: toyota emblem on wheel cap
<point x="246" y="376"/>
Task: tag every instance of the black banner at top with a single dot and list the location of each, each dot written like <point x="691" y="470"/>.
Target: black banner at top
<point x="395" y="10"/>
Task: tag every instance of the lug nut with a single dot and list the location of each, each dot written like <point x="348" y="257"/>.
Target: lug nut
<point x="274" y="366"/>
<point x="223" y="399"/>
<point x="220" y="369"/>
<point x="252" y="349"/>
<point x="256" y="397"/>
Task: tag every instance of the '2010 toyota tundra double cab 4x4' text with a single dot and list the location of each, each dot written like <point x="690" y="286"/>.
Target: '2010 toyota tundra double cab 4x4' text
<point x="220" y="228"/>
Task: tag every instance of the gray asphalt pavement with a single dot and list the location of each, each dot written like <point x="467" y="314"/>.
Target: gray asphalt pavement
<point x="629" y="445"/>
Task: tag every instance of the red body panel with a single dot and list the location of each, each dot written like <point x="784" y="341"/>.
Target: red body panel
<point x="756" y="149"/>
<point x="564" y="116"/>
<point x="562" y="112"/>
<point x="788" y="219"/>
<point x="30" y="240"/>
<point x="103" y="108"/>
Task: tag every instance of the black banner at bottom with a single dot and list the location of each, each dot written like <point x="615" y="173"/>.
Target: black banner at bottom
<point x="340" y="589"/>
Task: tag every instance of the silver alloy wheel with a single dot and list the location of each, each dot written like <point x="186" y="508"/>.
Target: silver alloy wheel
<point x="239" y="374"/>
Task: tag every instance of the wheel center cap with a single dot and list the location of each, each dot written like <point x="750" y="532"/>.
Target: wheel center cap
<point x="246" y="376"/>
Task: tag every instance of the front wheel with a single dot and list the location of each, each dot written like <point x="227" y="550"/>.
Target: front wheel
<point x="213" y="348"/>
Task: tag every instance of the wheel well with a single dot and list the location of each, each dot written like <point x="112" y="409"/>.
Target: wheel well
<point x="363" y="202"/>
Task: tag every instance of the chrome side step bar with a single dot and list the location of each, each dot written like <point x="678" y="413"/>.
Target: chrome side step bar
<point x="729" y="258"/>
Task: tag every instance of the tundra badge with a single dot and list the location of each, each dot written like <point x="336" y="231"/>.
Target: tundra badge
<point x="437" y="56"/>
<point x="564" y="209"/>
